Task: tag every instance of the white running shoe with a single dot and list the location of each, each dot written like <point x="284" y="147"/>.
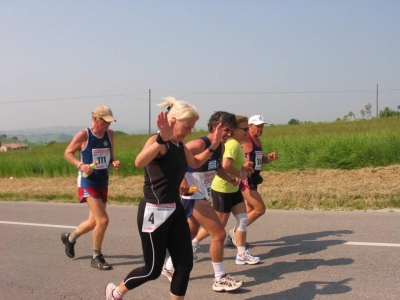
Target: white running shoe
<point x="226" y="283"/>
<point x="247" y="258"/>
<point x="109" y="291"/>
<point x="167" y="273"/>
<point x="231" y="238"/>
<point x="195" y="246"/>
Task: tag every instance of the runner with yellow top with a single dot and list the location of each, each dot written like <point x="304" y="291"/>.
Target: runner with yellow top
<point x="225" y="193"/>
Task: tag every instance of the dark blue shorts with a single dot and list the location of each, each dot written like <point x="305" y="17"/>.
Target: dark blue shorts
<point x="188" y="205"/>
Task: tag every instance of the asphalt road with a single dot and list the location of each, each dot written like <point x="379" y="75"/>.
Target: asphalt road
<point x="305" y="255"/>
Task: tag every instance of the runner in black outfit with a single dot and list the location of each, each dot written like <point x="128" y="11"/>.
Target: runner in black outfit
<point x="198" y="209"/>
<point x="161" y="218"/>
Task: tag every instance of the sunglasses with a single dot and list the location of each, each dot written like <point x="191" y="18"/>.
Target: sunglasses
<point x="244" y="129"/>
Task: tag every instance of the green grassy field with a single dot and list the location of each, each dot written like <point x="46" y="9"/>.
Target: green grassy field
<point x="337" y="145"/>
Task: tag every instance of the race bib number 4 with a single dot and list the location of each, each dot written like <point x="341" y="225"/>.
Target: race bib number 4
<point x="155" y="215"/>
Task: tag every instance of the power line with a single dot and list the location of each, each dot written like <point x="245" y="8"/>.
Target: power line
<point x="298" y="92"/>
<point x="195" y="93"/>
<point x="71" y="98"/>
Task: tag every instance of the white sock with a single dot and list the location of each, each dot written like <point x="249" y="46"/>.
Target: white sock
<point x="219" y="270"/>
<point x="195" y="241"/>
<point x="117" y="294"/>
<point x="169" y="265"/>
<point x="241" y="250"/>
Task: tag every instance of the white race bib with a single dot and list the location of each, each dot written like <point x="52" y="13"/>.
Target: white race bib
<point x="208" y="178"/>
<point x="102" y="156"/>
<point x="155" y="215"/>
<point x="259" y="156"/>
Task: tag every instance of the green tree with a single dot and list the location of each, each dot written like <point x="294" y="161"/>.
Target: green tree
<point x="387" y="112"/>
<point x="293" y="122"/>
<point x="367" y="109"/>
<point x="350" y="116"/>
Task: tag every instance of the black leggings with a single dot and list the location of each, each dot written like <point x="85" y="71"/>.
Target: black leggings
<point x="174" y="235"/>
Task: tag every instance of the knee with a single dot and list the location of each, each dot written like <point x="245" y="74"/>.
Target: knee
<point x="260" y="211"/>
<point x="257" y="207"/>
<point x="241" y="222"/>
<point x="103" y="222"/>
<point x="154" y="275"/>
<point x="184" y="270"/>
<point x="219" y="235"/>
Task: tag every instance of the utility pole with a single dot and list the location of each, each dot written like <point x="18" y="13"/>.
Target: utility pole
<point x="149" y="111"/>
<point x="377" y="100"/>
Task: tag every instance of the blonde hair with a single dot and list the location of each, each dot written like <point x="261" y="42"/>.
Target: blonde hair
<point x="240" y="119"/>
<point x="179" y="109"/>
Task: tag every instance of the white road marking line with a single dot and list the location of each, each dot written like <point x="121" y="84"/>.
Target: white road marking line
<point x="372" y="244"/>
<point x="73" y="227"/>
<point x="35" y="224"/>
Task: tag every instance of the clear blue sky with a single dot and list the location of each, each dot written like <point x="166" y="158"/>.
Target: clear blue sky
<point x="309" y="60"/>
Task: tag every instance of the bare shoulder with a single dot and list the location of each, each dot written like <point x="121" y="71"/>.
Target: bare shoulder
<point x="196" y="146"/>
<point x="150" y="140"/>
<point x="81" y="135"/>
<point x="78" y="142"/>
<point x="246" y="144"/>
<point x="110" y="133"/>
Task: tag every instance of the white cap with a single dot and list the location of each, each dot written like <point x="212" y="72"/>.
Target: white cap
<point x="257" y="120"/>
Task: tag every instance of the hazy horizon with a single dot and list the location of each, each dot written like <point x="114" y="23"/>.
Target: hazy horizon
<point x="306" y="60"/>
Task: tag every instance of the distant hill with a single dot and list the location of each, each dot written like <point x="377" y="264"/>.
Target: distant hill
<point x="10" y="141"/>
<point x="57" y="133"/>
<point x="44" y="135"/>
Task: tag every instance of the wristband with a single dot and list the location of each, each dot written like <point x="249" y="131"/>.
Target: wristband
<point x="211" y="150"/>
<point x="80" y="164"/>
<point x="159" y="140"/>
<point x="240" y="173"/>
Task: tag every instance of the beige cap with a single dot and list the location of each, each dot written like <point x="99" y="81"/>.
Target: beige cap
<point x="104" y="112"/>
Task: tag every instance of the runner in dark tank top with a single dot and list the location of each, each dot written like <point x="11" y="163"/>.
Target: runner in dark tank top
<point x="254" y="153"/>
<point x="198" y="209"/>
<point x="161" y="219"/>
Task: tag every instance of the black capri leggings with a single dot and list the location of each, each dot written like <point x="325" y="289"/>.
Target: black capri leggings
<point x="174" y="235"/>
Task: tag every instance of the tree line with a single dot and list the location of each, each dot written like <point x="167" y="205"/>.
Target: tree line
<point x="365" y="113"/>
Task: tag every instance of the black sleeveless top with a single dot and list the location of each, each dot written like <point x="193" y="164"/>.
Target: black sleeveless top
<point x="215" y="158"/>
<point x="163" y="175"/>
<point x="251" y="156"/>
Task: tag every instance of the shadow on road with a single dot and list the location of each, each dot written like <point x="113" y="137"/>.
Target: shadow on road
<point x="300" y="238"/>
<point x="308" y="290"/>
<point x="130" y="259"/>
<point x="263" y="274"/>
<point x="301" y="244"/>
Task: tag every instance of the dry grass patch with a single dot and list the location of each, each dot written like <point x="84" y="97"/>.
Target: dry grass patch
<point x="369" y="188"/>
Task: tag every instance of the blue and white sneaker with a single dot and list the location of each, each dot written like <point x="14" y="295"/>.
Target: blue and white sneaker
<point x="246" y="258"/>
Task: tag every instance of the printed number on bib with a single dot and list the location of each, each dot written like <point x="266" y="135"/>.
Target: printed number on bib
<point x="259" y="156"/>
<point x="155" y="215"/>
<point x="102" y="156"/>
